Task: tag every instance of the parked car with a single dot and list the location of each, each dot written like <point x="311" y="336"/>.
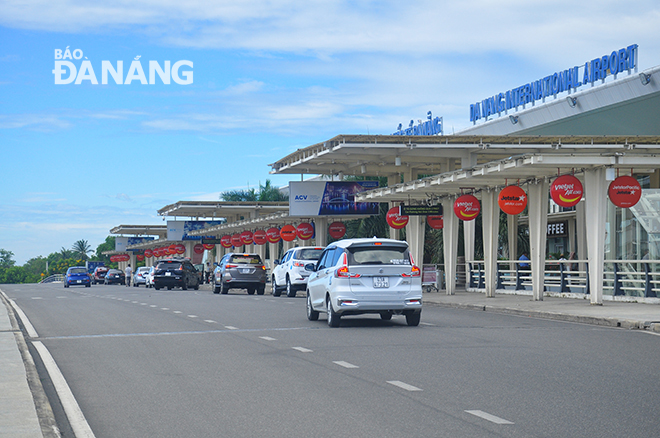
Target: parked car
<point x="240" y="271"/>
<point x="140" y="276"/>
<point x="175" y="272"/>
<point x="115" y="276"/>
<point x="99" y="274"/>
<point x="290" y="273"/>
<point x="77" y="275"/>
<point x="149" y="277"/>
<point x="357" y="276"/>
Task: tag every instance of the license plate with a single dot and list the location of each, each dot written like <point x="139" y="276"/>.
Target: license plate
<point x="245" y="270"/>
<point x="79" y="281"/>
<point x="167" y="274"/>
<point x="381" y="282"/>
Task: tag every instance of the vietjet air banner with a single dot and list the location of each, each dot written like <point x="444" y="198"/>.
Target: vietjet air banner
<point x="330" y="198"/>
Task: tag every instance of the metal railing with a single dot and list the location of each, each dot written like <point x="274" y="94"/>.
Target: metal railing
<point x="625" y="278"/>
<point x="55" y="278"/>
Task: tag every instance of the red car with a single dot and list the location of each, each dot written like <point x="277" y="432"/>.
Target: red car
<point x="99" y="274"/>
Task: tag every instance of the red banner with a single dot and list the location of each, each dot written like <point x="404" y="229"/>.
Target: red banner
<point x="337" y="230"/>
<point x="288" y="232"/>
<point x="566" y="191"/>
<point x="148" y="253"/>
<point x="236" y="240"/>
<point x="273" y="235"/>
<point x="467" y="207"/>
<point x="395" y="220"/>
<point x="179" y="249"/>
<point x="435" y="222"/>
<point x="247" y="237"/>
<point x="512" y="200"/>
<point x="625" y="191"/>
<point x="199" y="248"/>
<point x="305" y="231"/>
<point x="260" y="237"/>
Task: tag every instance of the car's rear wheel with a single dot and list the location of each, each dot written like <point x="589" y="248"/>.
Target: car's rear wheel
<point x="412" y="319"/>
<point x="216" y="288"/>
<point x="223" y="288"/>
<point x="184" y="286"/>
<point x="261" y="290"/>
<point x="290" y="291"/>
<point x="250" y="291"/>
<point x="312" y="314"/>
<point x="333" y="318"/>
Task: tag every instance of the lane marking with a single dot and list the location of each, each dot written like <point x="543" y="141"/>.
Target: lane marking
<point x="29" y="328"/>
<point x="210" y="321"/>
<point x="153" y="305"/>
<point x="164" y="308"/>
<point x="177" y="311"/>
<point x="192" y="316"/>
<point x="72" y="410"/>
<point x="341" y="363"/>
<point x="427" y="323"/>
<point x="489" y="417"/>
<point x="37" y="298"/>
<point x="403" y="385"/>
<point x="231" y="327"/>
<point x="303" y="349"/>
<point x="267" y="338"/>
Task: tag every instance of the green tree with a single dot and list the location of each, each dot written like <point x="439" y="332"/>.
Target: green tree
<point x="266" y="192"/>
<point x="108" y="245"/>
<point x="81" y="249"/>
<point x="6" y="259"/>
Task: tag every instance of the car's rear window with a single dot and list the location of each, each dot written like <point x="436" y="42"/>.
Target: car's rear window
<point x="309" y="254"/>
<point x="78" y="271"/>
<point x="381" y="255"/>
<point x="246" y="260"/>
<point x="169" y="265"/>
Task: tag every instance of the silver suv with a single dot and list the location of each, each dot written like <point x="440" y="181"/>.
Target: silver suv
<point x="290" y="273"/>
<point x="356" y="276"/>
<point x="240" y="271"/>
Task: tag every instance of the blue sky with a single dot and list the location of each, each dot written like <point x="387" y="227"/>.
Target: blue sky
<point x="268" y="78"/>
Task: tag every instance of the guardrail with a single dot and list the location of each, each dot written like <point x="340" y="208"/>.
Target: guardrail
<point x="55" y="278"/>
<point x="625" y="278"/>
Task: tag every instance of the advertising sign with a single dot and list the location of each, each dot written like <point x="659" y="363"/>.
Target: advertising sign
<point x="236" y="240"/>
<point x="625" y="191"/>
<point x="305" y="231"/>
<point x="246" y="237"/>
<point x="178" y="230"/>
<point x="512" y="200"/>
<point x="467" y="207"/>
<point x="394" y="218"/>
<point x="225" y="241"/>
<point x="337" y="230"/>
<point x="199" y="248"/>
<point x="273" y="235"/>
<point x="121" y="243"/>
<point x="435" y="222"/>
<point x="566" y="191"/>
<point x="421" y="210"/>
<point x="330" y="198"/>
<point x="260" y="237"/>
<point x="288" y="232"/>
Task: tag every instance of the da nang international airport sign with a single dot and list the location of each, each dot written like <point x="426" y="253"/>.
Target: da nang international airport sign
<point x="330" y="198"/>
<point x="567" y="80"/>
<point x="429" y="127"/>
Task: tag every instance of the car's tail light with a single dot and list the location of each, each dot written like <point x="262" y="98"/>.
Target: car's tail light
<point x="261" y="267"/>
<point x="414" y="270"/>
<point x="343" y="272"/>
<point x="299" y="264"/>
<point x="231" y="266"/>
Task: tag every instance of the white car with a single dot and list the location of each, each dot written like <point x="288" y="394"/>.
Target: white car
<point x="289" y="273"/>
<point x="149" y="277"/>
<point x="140" y="276"/>
<point x="356" y="276"/>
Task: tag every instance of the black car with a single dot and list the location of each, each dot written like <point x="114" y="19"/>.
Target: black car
<point x="171" y="273"/>
<point x="115" y="276"/>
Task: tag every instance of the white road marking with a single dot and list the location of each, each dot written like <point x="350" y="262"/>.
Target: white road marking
<point x="134" y="302"/>
<point x="489" y="417"/>
<point x="210" y="321"/>
<point x="73" y="412"/>
<point x="403" y="385"/>
<point x="37" y="298"/>
<point x="177" y="311"/>
<point x="153" y="305"/>
<point x="341" y="363"/>
<point x="29" y="328"/>
<point x="192" y="316"/>
<point x="426" y="323"/>
<point x="231" y="327"/>
<point x="303" y="349"/>
<point x="143" y="304"/>
<point x="267" y="338"/>
<point x="164" y="308"/>
<point x="61" y="297"/>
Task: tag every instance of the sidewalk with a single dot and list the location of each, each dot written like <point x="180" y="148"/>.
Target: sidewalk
<point x="18" y="414"/>
<point x="611" y="313"/>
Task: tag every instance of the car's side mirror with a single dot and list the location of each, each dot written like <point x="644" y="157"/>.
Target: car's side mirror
<point x="276" y="262"/>
<point x="310" y="267"/>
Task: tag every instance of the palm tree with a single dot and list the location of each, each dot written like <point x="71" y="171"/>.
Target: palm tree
<point x="65" y="253"/>
<point x="81" y="248"/>
<point x="266" y="193"/>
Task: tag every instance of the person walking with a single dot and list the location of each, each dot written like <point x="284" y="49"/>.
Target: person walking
<point x="129" y="274"/>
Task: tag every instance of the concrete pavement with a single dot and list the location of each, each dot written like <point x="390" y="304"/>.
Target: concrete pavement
<point x="18" y="409"/>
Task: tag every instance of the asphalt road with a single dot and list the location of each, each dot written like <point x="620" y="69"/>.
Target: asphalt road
<point x="146" y="363"/>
